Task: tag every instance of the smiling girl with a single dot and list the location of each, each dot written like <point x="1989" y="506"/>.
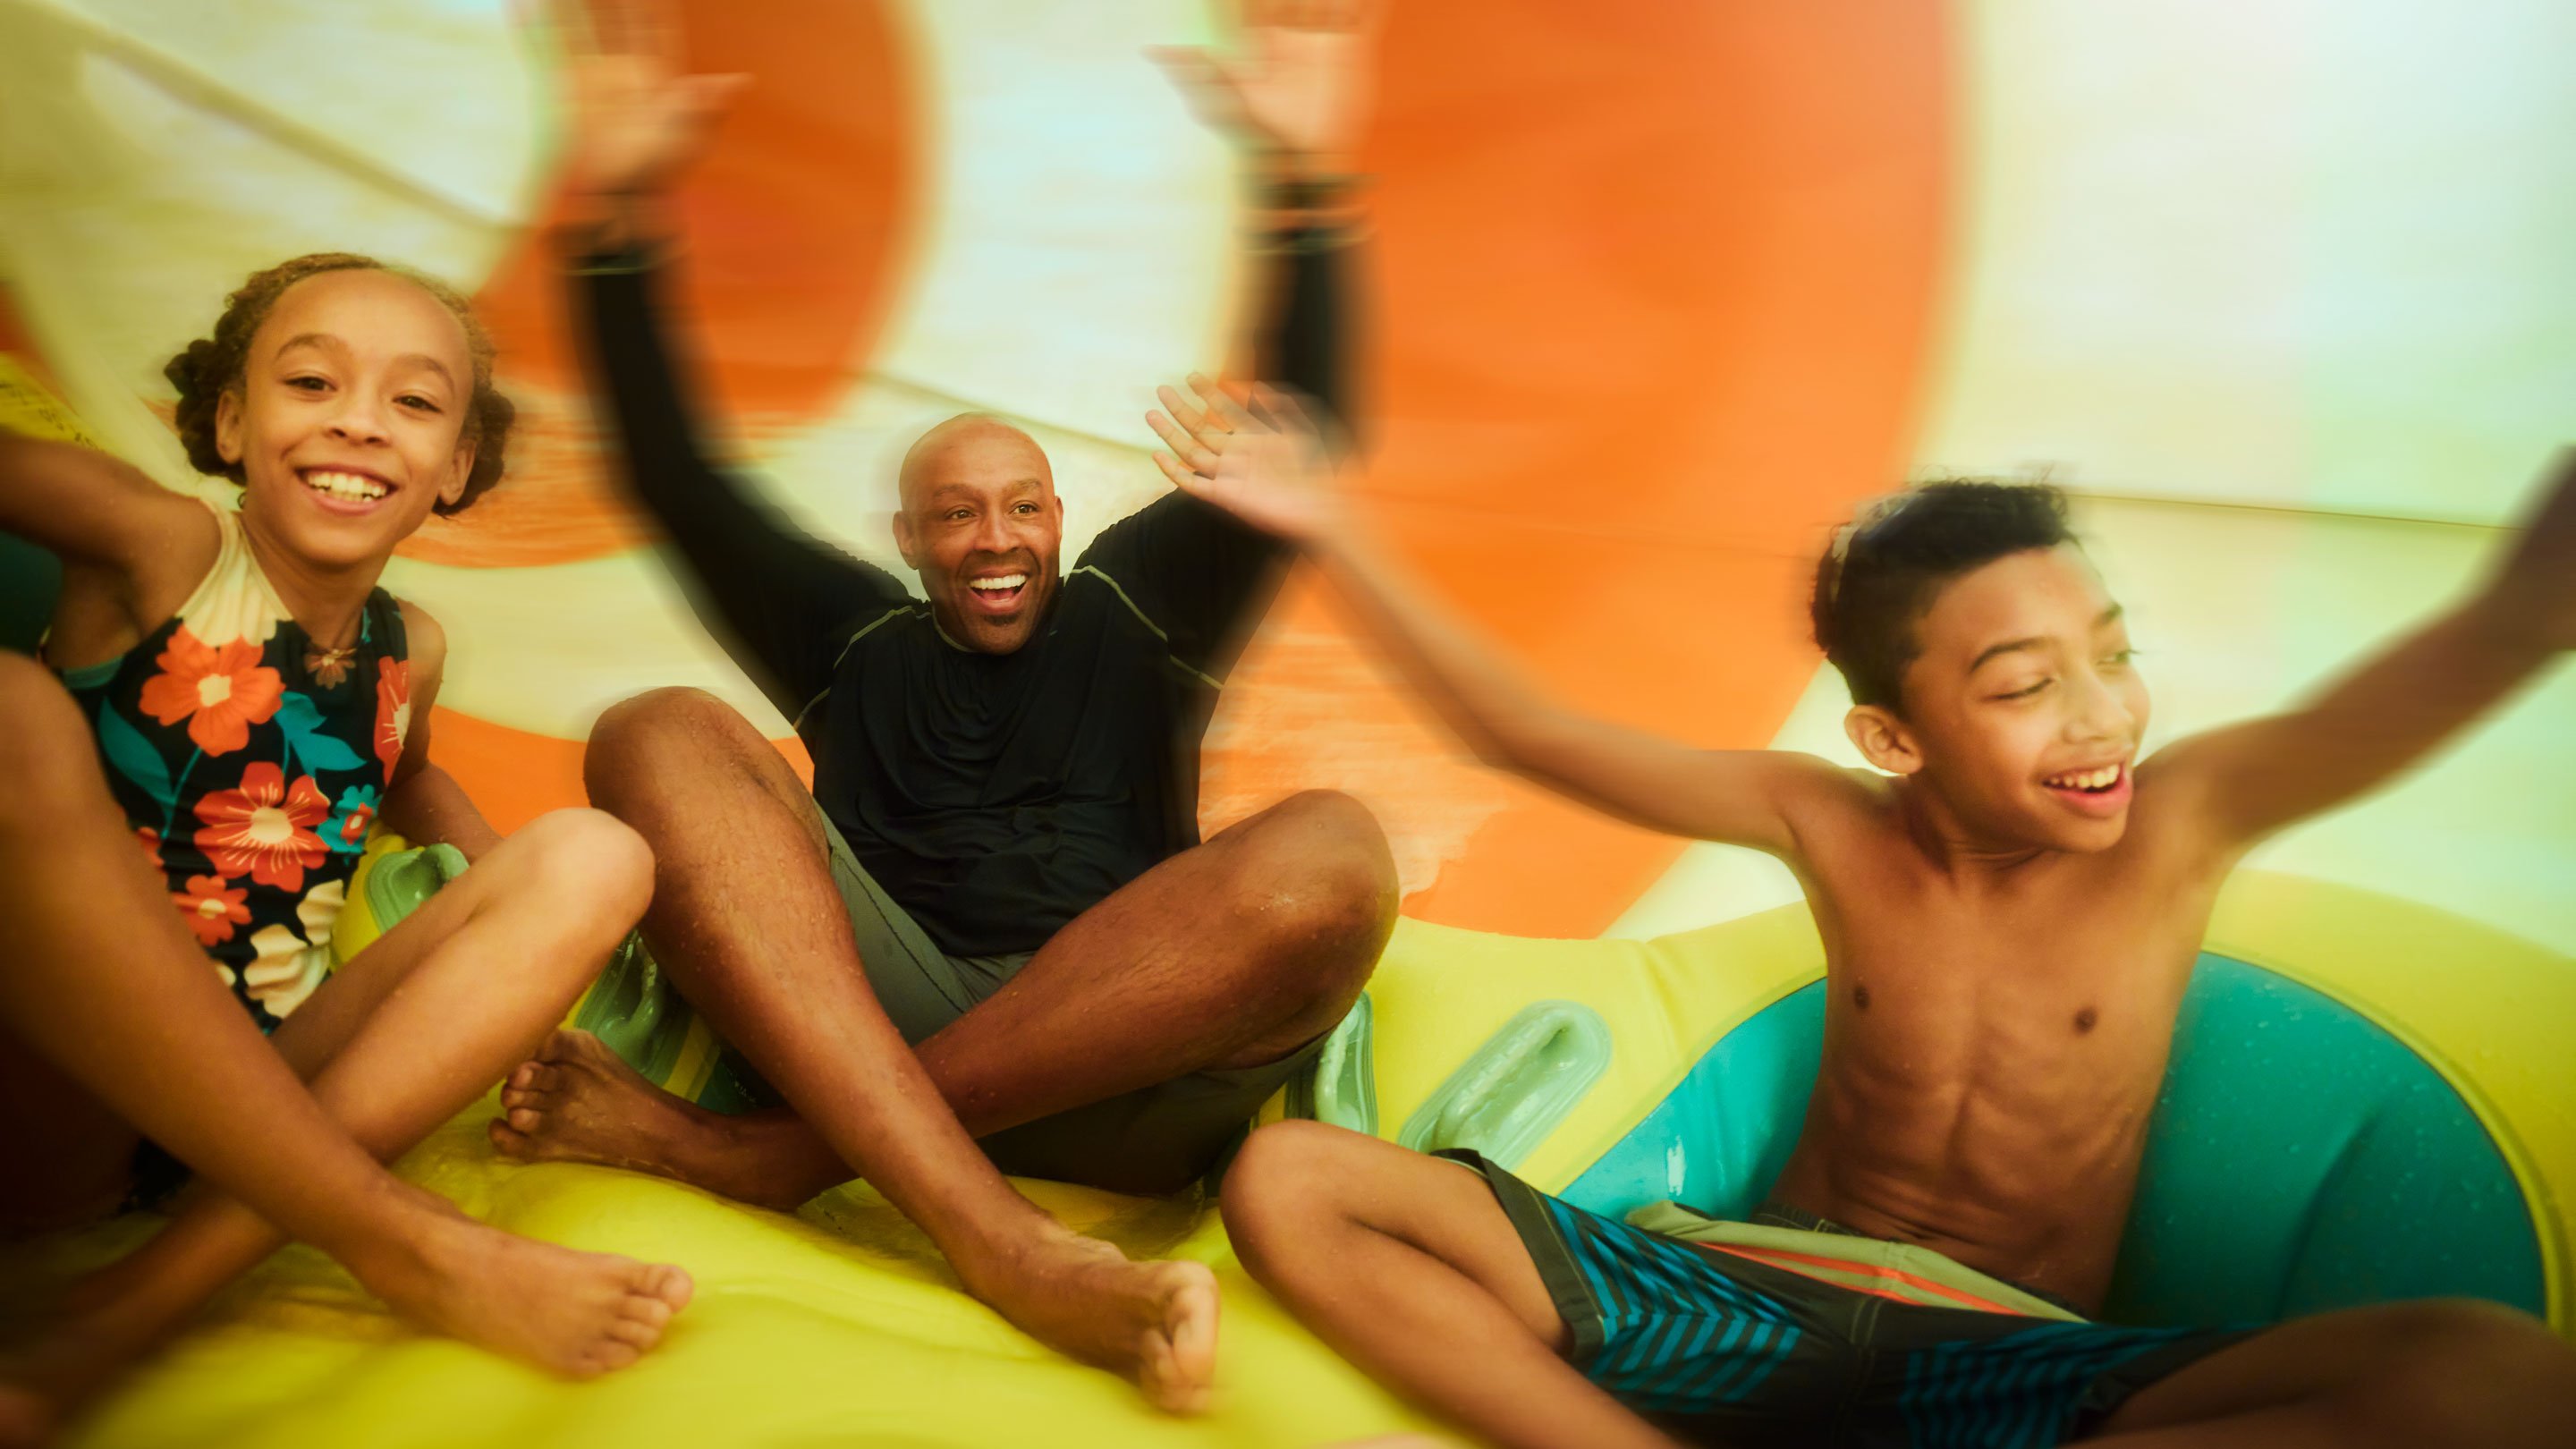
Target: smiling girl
<point x="257" y="702"/>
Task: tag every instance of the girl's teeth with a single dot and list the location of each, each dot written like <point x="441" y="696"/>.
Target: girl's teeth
<point x="348" y="486"/>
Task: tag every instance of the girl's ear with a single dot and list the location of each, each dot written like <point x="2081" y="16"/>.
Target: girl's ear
<point x="460" y="471"/>
<point x="228" y="425"/>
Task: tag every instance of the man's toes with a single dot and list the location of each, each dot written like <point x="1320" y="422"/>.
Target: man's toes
<point x="1166" y="1384"/>
<point x="506" y="1139"/>
<point x="561" y="1043"/>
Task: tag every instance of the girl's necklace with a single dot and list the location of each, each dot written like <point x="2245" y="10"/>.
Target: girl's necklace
<point x="329" y="666"/>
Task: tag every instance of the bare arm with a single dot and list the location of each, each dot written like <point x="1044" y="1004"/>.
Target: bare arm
<point x="2248" y="780"/>
<point x="131" y="549"/>
<point x="1268" y="467"/>
<point x="424" y="803"/>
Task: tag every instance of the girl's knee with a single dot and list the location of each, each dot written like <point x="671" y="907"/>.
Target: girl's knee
<point x="586" y="864"/>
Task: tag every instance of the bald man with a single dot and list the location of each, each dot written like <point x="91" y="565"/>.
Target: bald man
<point x="992" y="920"/>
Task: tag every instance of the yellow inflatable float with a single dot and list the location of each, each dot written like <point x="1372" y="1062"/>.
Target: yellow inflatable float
<point x="2364" y="1103"/>
<point x="2369" y="1095"/>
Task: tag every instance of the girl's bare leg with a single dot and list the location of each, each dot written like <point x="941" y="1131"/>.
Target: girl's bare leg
<point x="101" y="979"/>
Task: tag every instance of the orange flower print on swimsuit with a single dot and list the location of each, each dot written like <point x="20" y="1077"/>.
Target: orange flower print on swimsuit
<point x="265" y="828"/>
<point x="220" y="690"/>
<point x="210" y="910"/>
<point x="151" y="839"/>
<point x="393" y="711"/>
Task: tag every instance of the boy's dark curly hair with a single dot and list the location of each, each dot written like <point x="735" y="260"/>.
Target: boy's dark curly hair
<point x="1887" y="565"/>
<point x="210" y="365"/>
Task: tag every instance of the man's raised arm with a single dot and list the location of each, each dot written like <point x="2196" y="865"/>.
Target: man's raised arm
<point x="779" y="600"/>
<point x="1267" y="465"/>
<point x="2248" y="780"/>
<point x="1291" y="93"/>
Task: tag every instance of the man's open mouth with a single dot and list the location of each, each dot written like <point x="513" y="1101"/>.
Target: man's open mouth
<point x="997" y="593"/>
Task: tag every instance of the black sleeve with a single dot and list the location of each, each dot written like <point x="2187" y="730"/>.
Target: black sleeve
<point x="1198" y="573"/>
<point x="779" y="601"/>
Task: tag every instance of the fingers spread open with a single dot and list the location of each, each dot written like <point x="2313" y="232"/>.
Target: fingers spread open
<point x="1187" y="447"/>
<point x="1220" y="403"/>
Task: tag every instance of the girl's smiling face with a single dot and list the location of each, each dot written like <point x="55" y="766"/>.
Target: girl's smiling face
<point x="349" y="419"/>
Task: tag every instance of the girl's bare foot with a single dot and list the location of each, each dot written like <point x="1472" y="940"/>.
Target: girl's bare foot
<point x="1151" y="1323"/>
<point x="575" y="1313"/>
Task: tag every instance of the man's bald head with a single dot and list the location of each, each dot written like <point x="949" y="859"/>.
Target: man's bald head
<point x="969" y="447"/>
<point x="981" y="524"/>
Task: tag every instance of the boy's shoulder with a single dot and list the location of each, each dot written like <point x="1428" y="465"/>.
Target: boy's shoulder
<point x="1834" y="808"/>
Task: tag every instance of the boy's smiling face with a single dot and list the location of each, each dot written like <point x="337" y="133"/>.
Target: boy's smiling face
<point x="2022" y="710"/>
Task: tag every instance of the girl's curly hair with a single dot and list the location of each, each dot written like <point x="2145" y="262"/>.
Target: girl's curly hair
<point x="211" y="365"/>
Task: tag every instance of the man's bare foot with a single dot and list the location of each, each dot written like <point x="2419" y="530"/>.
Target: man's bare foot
<point x="578" y="1101"/>
<point x="578" y="1314"/>
<point x="1152" y="1323"/>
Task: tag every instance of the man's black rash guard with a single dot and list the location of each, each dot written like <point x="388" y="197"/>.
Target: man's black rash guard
<point x="994" y="796"/>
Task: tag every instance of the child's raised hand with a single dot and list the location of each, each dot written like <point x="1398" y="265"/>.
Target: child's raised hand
<point x="1265" y="464"/>
<point x="2536" y="587"/>
<point x="636" y="121"/>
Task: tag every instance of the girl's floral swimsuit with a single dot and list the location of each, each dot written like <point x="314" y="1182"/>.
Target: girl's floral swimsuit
<point x="250" y="766"/>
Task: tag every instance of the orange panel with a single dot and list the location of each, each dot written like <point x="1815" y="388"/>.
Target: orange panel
<point x="1652" y="297"/>
<point x="1652" y="286"/>
<point x="795" y="223"/>
<point x="514" y="776"/>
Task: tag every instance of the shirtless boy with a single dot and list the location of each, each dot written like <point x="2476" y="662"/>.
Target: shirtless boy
<point x="2010" y="914"/>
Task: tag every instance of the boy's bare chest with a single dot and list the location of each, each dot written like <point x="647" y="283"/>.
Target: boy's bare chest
<point x="2066" y="982"/>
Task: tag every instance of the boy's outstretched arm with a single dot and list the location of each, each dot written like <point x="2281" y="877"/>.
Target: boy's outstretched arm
<point x="1267" y="465"/>
<point x="2246" y="781"/>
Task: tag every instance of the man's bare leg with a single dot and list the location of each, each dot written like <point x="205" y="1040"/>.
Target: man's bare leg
<point x="747" y="920"/>
<point x="1234" y="954"/>
<point x="1406" y="1265"/>
<point x="2424" y="1375"/>
<point x="104" y="980"/>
